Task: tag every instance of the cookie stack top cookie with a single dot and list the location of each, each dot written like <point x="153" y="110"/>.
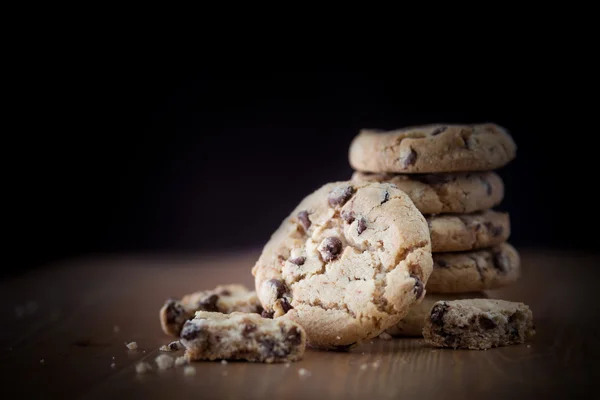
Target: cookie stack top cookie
<point x="433" y="149"/>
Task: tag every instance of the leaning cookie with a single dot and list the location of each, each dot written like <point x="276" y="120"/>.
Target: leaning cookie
<point x="459" y="232"/>
<point x="224" y="299"/>
<point x="347" y="263"/>
<point x="478" y="324"/>
<point x="412" y="324"/>
<point x="473" y="271"/>
<point x="242" y="336"/>
<point x="433" y="149"/>
<point x="445" y="193"/>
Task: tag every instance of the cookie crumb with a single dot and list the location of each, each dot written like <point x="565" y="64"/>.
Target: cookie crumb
<point x="528" y="346"/>
<point x="385" y="336"/>
<point x="179" y="361"/>
<point x="376" y="364"/>
<point x="116" y="329"/>
<point x="363" y="367"/>
<point x="189" y="370"/>
<point x="303" y="372"/>
<point x="173" y="346"/>
<point x="132" y="345"/>
<point x="287" y="365"/>
<point x="42" y="361"/>
<point x="143" y="367"/>
<point x="164" y="361"/>
<point x="371" y="342"/>
<point x="338" y="337"/>
<point x="113" y="365"/>
<point x="224" y="362"/>
<point x="113" y="357"/>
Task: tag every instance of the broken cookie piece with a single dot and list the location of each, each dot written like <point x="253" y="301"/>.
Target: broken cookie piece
<point x="478" y="324"/>
<point x="225" y="299"/>
<point x="242" y="336"/>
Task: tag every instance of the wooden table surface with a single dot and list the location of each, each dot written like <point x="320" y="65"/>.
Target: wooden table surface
<point x="65" y="315"/>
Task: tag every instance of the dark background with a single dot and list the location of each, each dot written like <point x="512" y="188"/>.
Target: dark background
<point x="147" y="158"/>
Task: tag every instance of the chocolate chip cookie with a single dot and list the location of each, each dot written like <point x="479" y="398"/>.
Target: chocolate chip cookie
<point x="458" y="232"/>
<point x="445" y="193"/>
<point x="225" y="299"/>
<point x="347" y="263"/>
<point x="242" y="336"/>
<point x="433" y="148"/>
<point x="472" y="271"/>
<point x="412" y="324"/>
<point x="478" y="324"/>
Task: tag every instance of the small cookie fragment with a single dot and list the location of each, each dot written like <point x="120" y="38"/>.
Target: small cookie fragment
<point x="242" y="336"/>
<point x="132" y="345"/>
<point x="189" y="370"/>
<point x="412" y="324"/>
<point x="478" y="324"/>
<point x="223" y="298"/>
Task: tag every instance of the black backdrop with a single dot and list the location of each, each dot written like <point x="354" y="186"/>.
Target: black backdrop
<point x="143" y="158"/>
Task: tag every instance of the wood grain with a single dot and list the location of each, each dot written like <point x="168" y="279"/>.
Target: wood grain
<point x="80" y="302"/>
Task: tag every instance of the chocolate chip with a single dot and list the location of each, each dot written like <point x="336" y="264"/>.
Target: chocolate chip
<point x="386" y="197"/>
<point x="285" y="304"/>
<point x="174" y="346"/>
<point x="441" y="264"/>
<point x="494" y="230"/>
<point x="348" y="216"/>
<point x="304" y="220"/>
<point x="340" y="195"/>
<point x="437" y="313"/>
<point x="190" y="331"/>
<point x="501" y="261"/>
<point x="330" y="248"/>
<point x="439" y="130"/>
<point x="488" y="186"/>
<point x="248" y="329"/>
<point x="209" y="303"/>
<point x="410" y="159"/>
<point x="486" y="323"/>
<point x="174" y="310"/>
<point x="225" y="292"/>
<point x="267" y="314"/>
<point x="279" y="287"/>
<point x="418" y="289"/>
<point x="294" y="336"/>
<point x="297" y="260"/>
<point x="362" y="225"/>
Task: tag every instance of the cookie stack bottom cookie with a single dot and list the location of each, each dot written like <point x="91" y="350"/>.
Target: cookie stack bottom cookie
<point x="448" y="171"/>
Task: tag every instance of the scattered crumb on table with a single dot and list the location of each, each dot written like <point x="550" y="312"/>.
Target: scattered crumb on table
<point x="113" y="365"/>
<point x="143" y="367"/>
<point x="376" y="364"/>
<point x="385" y="336"/>
<point x="42" y="361"/>
<point x="116" y="329"/>
<point x="132" y="345"/>
<point x="164" y="361"/>
<point x="189" y="370"/>
<point x="363" y="367"/>
<point x="179" y="361"/>
<point x="224" y="362"/>
<point x="303" y="372"/>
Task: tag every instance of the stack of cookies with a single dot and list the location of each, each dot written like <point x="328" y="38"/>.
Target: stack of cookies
<point x="448" y="172"/>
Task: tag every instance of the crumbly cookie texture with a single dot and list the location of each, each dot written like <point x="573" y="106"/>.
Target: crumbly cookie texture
<point x="433" y="149"/>
<point x="224" y="299"/>
<point x="347" y="263"/>
<point x="476" y="270"/>
<point x="242" y="336"/>
<point x="412" y="324"/>
<point x="478" y="324"/>
<point x="459" y="232"/>
<point x="445" y="193"/>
